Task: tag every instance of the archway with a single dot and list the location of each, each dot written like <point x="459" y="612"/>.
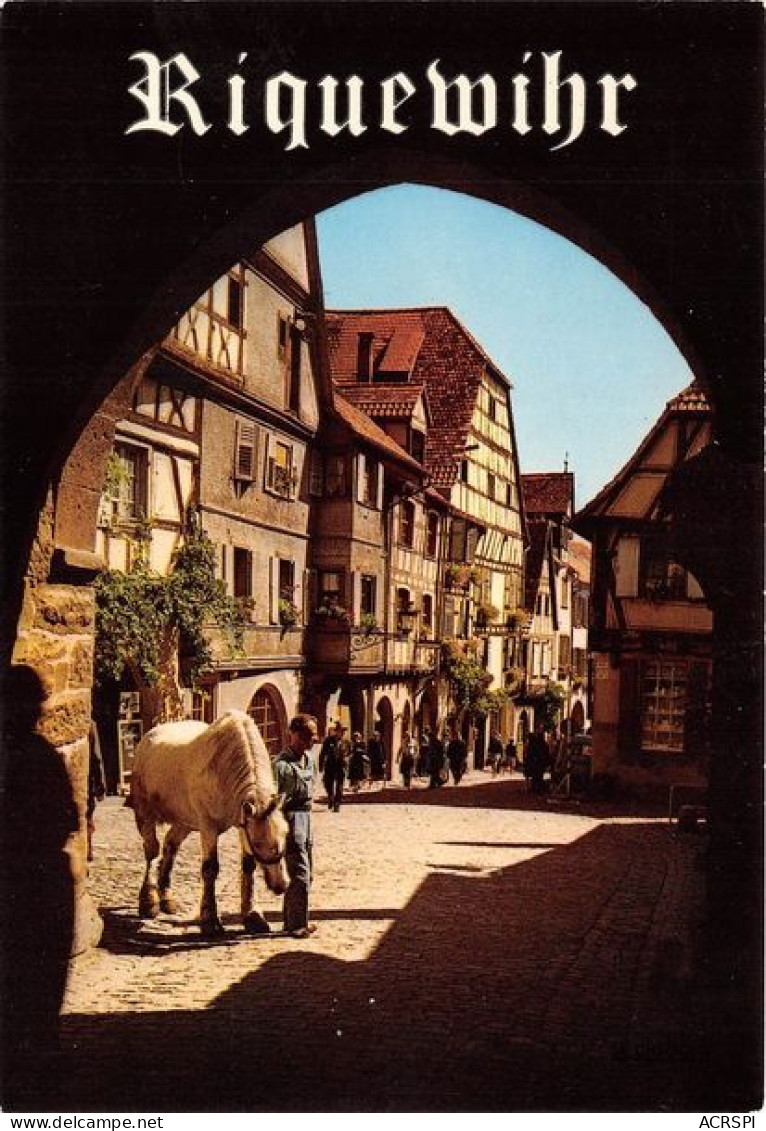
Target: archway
<point x="385" y="725"/>
<point x="267" y="711"/>
<point x="578" y="718"/>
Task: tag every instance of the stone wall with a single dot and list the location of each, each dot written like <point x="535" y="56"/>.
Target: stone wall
<point x="56" y="639"/>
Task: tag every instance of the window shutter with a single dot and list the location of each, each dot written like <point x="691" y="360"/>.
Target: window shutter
<point x="223" y="567"/>
<point x="361" y="463"/>
<point x="356" y="596"/>
<point x="316" y="473"/>
<point x="244" y="456"/>
<point x="381" y="476"/>
<point x="274" y="590"/>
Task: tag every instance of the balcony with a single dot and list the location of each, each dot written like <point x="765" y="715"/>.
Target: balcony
<point x="340" y="647"/>
<point x="263" y="646"/>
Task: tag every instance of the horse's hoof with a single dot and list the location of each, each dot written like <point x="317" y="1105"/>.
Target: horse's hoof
<point x="168" y="905"/>
<point x="212" y="928"/>
<point x="148" y="906"/>
<point x="255" y="924"/>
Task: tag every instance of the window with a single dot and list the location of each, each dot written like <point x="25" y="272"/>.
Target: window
<point x="294" y="386"/>
<point x="370" y="482"/>
<point x="565" y="592"/>
<point x="335" y="476"/>
<point x="129" y="488"/>
<point x="428" y="614"/>
<point x="490" y="485"/>
<point x="330" y="587"/>
<point x="280" y="477"/>
<point x="492" y="408"/>
<point x="464" y="471"/>
<point x="243" y="572"/>
<point x="268" y="715"/>
<point x="417" y="445"/>
<point x="244" y="453"/>
<point x="663" y="706"/>
<point x="659" y="576"/>
<point x="286" y="580"/>
<point x="407" y="524"/>
<point x="202" y="706"/>
<point x="282" y="335"/>
<point x="367" y="600"/>
<point x="235" y="305"/>
<point x="432" y="535"/>
<point x="364" y="358"/>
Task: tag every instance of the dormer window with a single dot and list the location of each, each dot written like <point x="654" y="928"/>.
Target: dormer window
<point x="364" y="358"/>
<point x="417" y="445"/>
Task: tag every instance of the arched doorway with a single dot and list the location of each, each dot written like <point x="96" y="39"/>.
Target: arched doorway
<point x="385" y="725"/>
<point x="577" y="718"/>
<point x="267" y="711"/>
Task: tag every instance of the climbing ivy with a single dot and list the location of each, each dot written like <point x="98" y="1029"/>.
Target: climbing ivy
<point x="145" y="622"/>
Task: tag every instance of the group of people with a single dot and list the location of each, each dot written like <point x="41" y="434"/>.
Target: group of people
<point x="355" y="760"/>
<point x="432" y="757"/>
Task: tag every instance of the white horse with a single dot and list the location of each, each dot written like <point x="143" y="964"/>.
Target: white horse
<point x="209" y="778"/>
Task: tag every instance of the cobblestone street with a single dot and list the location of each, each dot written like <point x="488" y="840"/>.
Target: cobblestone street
<point x="477" y="949"/>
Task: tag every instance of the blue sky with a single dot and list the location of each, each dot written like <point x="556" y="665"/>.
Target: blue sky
<point x="591" y="366"/>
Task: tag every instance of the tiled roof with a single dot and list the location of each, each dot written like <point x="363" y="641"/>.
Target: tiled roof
<point x="366" y="429"/>
<point x="389" y="401"/>
<point x="441" y="354"/>
<point x="579" y="556"/>
<point x="550" y="492"/>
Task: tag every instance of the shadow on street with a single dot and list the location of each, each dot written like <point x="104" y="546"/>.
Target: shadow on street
<point x="558" y="984"/>
<point x="505" y="793"/>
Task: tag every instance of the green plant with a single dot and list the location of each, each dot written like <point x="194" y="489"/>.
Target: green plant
<point x="331" y="611"/>
<point x="456" y="575"/>
<point x="486" y="614"/>
<point x="288" y="613"/>
<point x="552" y="701"/>
<point x="468" y="679"/>
<point x="145" y="622"/>
<point x="368" y="623"/>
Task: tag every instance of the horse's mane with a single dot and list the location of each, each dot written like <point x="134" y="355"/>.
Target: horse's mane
<point x="240" y="759"/>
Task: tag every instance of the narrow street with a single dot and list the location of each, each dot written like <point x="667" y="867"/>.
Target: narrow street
<point x="476" y="950"/>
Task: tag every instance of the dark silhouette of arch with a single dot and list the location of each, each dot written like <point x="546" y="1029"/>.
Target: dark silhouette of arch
<point x="38" y="817"/>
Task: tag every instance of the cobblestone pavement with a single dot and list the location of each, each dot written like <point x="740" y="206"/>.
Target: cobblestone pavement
<point x="477" y="950"/>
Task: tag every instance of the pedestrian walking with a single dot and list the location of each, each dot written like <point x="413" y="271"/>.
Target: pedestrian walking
<point x="421" y="768"/>
<point x="457" y="757"/>
<point x="511" y="759"/>
<point x="495" y="752"/>
<point x="377" y="758"/>
<point x="96" y="783"/>
<point x="333" y="761"/>
<point x="536" y="759"/>
<point x="356" y="764"/>
<point x="406" y="758"/>
<point x="295" y="773"/>
<point x="436" y="772"/>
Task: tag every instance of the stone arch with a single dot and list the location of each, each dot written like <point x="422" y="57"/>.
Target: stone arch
<point x="267" y="710"/>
